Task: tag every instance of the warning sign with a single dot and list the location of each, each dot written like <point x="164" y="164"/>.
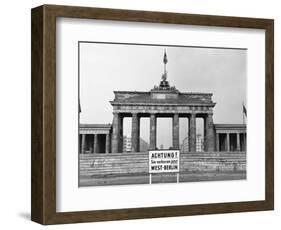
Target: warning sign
<point x="164" y="161"/>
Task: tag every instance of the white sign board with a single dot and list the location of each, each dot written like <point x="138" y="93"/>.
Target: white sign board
<point x="164" y="161"/>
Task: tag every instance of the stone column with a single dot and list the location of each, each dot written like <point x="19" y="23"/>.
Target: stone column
<point x="135" y="132"/>
<point x="92" y="143"/>
<point x="107" y="143"/>
<point x="153" y="125"/>
<point x="210" y="134"/>
<point x="227" y="143"/>
<point x="238" y="142"/>
<point x="245" y="141"/>
<point x="120" y="148"/>
<point x="96" y="144"/>
<point x="217" y="142"/>
<point x="205" y="125"/>
<point x="115" y="133"/>
<point x="192" y="133"/>
<point x="176" y="141"/>
<point x="83" y="144"/>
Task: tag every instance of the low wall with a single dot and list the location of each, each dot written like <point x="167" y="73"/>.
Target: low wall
<point x="100" y="165"/>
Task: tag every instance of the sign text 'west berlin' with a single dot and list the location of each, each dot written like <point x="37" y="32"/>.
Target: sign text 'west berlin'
<point x="161" y="161"/>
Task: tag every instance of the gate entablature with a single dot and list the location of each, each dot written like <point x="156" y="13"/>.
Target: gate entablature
<point x="145" y="102"/>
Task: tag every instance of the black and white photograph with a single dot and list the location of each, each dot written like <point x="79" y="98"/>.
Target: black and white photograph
<point x="151" y="113"/>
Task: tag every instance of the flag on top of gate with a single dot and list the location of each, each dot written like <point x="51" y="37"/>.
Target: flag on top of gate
<point x="244" y="110"/>
<point x="165" y="59"/>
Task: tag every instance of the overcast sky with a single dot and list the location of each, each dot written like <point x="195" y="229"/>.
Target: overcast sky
<point x="108" y="67"/>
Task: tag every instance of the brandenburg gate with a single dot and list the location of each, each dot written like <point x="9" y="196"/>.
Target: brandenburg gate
<point x="162" y="101"/>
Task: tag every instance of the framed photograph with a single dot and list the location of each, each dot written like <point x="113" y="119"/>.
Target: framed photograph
<point x="140" y="114"/>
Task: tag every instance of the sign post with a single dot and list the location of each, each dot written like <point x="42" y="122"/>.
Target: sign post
<point x="164" y="161"/>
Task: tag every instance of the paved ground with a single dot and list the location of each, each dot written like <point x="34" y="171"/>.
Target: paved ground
<point x="125" y="179"/>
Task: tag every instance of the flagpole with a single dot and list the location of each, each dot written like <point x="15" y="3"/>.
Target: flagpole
<point x="243" y="112"/>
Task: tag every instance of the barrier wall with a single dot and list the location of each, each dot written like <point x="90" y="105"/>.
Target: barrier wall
<point x="100" y="165"/>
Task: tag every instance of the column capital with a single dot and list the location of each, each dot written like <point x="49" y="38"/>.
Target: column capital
<point x="207" y="115"/>
<point x="192" y="114"/>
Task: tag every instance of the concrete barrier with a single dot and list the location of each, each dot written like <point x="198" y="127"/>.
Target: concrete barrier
<point x="101" y="165"/>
